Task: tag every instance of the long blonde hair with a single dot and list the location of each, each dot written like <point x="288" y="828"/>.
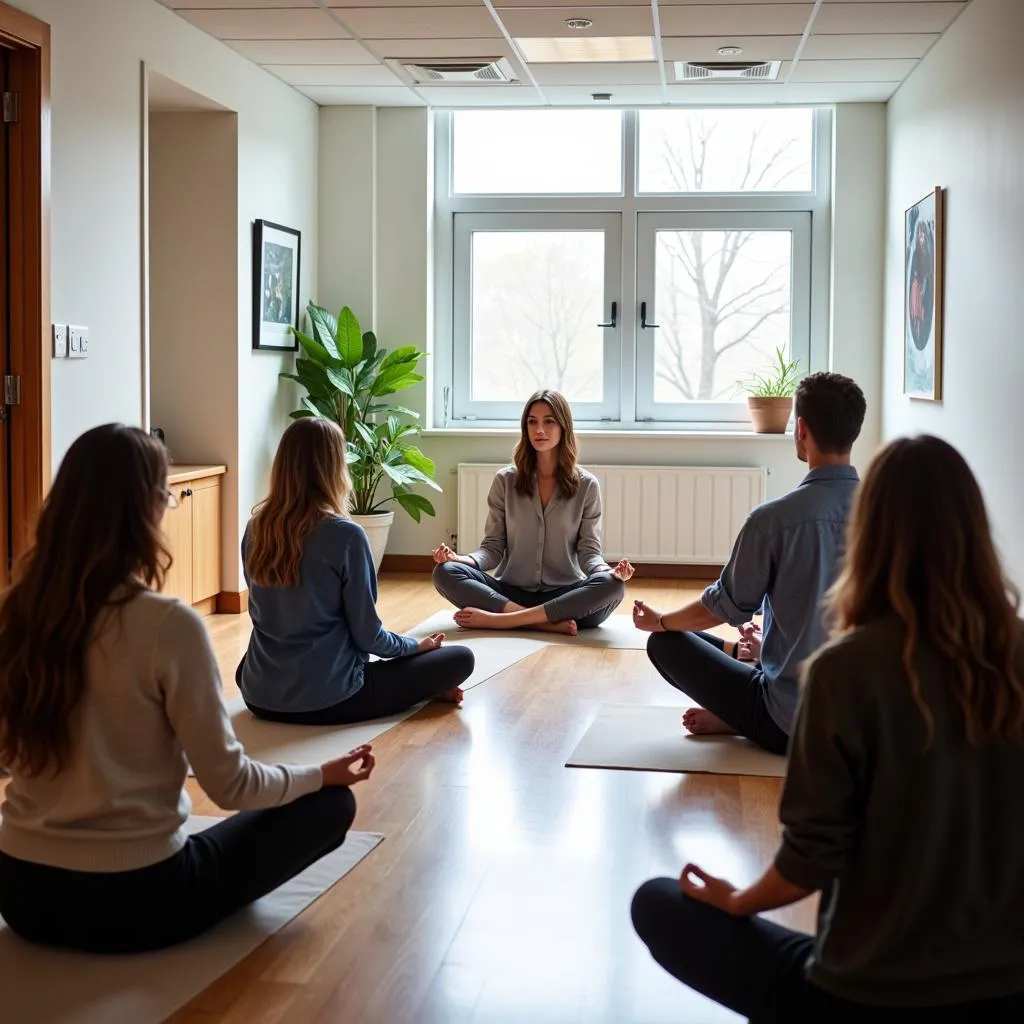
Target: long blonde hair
<point x="308" y="482"/>
<point x="920" y="548"/>
<point x="525" y="455"/>
<point x="97" y="544"/>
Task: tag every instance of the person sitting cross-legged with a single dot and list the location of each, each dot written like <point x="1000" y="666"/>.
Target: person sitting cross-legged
<point x="783" y="561"/>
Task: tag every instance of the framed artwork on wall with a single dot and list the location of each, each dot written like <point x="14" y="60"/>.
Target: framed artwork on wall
<point x="923" y="248"/>
<point x="276" y="261"/>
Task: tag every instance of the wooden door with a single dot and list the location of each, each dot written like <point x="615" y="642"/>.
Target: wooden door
<point x="205" y="502"/>
<point x="178" y="533"/>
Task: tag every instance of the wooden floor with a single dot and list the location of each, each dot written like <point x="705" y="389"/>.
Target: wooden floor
<point x="501" y="893"/>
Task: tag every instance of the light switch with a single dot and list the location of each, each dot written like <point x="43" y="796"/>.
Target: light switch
<point x="78" y="342"/>
<point x="60" y="341"/>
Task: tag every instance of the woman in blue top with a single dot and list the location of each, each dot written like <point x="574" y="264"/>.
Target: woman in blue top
<point x="312" y="596"/>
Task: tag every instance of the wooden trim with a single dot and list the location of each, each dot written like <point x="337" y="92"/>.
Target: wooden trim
<point x="232" y="602"/>
<point x="30" y="269"/>
<point x="181" y="474"/>
<point x="649" y="570"/>
<point x="207" y="606"/>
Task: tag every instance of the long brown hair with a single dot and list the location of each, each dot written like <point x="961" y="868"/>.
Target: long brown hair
<point x="308" y="482"/>
<point x="920" y="549"/>
<point x="97" y="543"/>
<point x="525" y="455"/>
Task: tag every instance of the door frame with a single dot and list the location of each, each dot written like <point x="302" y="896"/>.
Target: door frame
<point x="29" y="423"/>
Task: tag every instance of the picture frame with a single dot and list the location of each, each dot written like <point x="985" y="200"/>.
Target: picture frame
<point x="923" y="271"/>
<point x="276" y="270"/>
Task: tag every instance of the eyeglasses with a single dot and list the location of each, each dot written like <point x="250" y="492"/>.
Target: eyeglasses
<point x="171" y="499"/>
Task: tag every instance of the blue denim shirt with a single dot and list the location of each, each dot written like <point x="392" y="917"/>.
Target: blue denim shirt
<point x="784" y="560"/>
<point x="309" y="643"/>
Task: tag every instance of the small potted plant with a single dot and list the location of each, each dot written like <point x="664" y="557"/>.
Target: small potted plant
<point x="770" y="395"/>
<point x="346" y="377"/>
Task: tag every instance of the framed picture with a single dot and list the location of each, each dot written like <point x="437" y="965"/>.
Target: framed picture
<point x="276" y="256"/>
<point x="922" y="298"/>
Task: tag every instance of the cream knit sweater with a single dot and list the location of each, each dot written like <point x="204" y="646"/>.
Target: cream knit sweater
<point x="152" y="707"/>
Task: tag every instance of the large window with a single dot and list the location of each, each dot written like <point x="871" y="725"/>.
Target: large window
<point x="642" y="262"/>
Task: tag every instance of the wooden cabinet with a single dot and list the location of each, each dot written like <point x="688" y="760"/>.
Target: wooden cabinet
<point x="193" y="534"/>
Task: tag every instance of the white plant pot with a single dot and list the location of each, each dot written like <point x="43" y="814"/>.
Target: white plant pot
<point x="377" y="528"/>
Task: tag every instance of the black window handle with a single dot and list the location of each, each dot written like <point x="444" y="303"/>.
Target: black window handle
<point x="615" y="310"/>
<point x="643" y="318"/>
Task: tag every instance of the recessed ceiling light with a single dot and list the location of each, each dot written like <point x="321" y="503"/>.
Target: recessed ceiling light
<point x="579" y="23"/>
<point x="730" y="51"/>
<point x="609" y="49"/>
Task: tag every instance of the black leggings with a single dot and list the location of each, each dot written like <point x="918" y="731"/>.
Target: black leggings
<point x="757" y="968"/>
<point x="216" y="873"/>
<point x="696" y="664"/>
<point x="388" y="688"/>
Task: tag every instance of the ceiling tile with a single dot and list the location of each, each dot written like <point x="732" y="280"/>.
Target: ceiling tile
<point x="894" y="16"/>
<point x="212" y="5"/>
<point x="840" y="92"/>
<point x="622" y="95"/>
<point x="868" y="47"/>
<point x="766" y="94"/>
<point x="735" y="19"/>
<point x="480" y="96"/>
<point x="380" y="22"/>
<point x="754" y="47"/>
<point x="286" y="23"/>
<point x="303" y="51"/>
<point x="596" y="75"/>
<point x="361" y="96"/>
<point x="421" y="49"/>
<point x="545" y="22"/>
<point x="850" y="70"/>
<point x="334" y="74"/>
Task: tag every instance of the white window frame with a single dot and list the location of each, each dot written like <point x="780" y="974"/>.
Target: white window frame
<point x="629" y="206"/>
<point x="464" y="227"/>
<point x="649" y="224"/>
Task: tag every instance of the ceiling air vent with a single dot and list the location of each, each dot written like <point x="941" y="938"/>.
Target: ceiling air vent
<point x="461" y="72"/>
<point x="727" y="70"/>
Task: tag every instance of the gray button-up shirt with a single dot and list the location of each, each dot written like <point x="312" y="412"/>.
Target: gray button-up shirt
<point x="541" y="548"/>
<point x="784" y="560"/>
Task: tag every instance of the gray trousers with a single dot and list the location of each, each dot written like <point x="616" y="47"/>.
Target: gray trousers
<point x="589" y="602"/>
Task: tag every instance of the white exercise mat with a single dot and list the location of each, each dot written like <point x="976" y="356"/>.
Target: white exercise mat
<point x="653" y="739"/>
<point x="616" y="632"/>
<point x="313" y="744"/>
<point x="44" y="986"/>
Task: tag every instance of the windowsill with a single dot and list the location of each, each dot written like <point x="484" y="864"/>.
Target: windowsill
<point x="639" y="432"/>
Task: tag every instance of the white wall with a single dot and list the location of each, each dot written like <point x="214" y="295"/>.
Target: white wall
<point x="193" y="295"/>
<point x="958" y="122"/>
<point x="402" y="258"/>
<point x="96" y="105"/>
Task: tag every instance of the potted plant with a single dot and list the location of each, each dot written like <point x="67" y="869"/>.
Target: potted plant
<point x="346" y="377"/>
<point x="770" y="395"/>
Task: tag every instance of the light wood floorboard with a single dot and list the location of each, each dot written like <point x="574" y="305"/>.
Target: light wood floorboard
<point x="501" y="893"/>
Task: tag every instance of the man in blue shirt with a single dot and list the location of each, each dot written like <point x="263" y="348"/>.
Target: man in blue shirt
<point x="784" y="560"/>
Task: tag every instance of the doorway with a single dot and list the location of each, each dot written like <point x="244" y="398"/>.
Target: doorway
<point x="24" y="278"/>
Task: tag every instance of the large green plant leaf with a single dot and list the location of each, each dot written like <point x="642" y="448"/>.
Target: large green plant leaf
<point x="320" y="407"/>
<point x="370" y="345"/>
<point x="342" y="380"/>
<point x="415" y="505"/>
<point x="300" y="414"/>
<point x="368" y="436"/>
<point x="388" y="384"/>
<point x="325" y="328"/>
<point x="415" y="458"/>
<point x="314" y="378"/>
<point x="315" y="350"/>
<point x="350" y="338"/>
<point x="405" y="354"/>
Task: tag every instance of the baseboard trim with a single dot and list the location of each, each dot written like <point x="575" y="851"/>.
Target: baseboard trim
<point x="649" y="570"/>
<point x="232" y="602"/>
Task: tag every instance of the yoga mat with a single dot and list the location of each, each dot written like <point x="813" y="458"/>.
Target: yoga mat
<point x="44" y="986"/>
<point x="313" y="744"/>
<point x="648" y="738"/>
<point x="617" y="632"/>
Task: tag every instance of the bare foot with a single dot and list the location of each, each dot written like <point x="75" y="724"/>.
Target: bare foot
<point x="452" y="696"/>
<point x="701" y="722"/>
<point x="476" y="618"/>
<point x="568" y="627"/>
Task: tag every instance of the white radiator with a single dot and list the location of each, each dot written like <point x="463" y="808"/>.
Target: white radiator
<point x="671" y="514"/>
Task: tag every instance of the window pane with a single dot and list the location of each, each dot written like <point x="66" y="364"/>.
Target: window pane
<point x="726" y="150"/>
<point x="723" y="307"/>
<point x="530" y="152"/>
<point x="537" y="298"/>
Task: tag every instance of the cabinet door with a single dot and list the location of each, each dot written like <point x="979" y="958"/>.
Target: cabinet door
<point x="205" y="502"/>
<point x="178" y="534"/>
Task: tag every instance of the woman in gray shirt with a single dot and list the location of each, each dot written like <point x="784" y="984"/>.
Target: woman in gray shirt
<point x="902" y="802"/>
<point x="542" y="538"/>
